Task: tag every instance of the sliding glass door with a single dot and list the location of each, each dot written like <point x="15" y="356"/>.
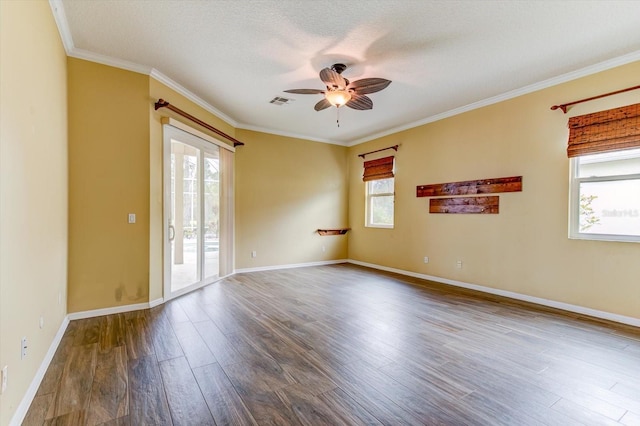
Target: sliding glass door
<point x="193" y="207"/>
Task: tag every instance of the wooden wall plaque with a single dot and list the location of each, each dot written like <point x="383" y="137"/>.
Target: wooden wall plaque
<point x="478" y="205"/>
<point x="470" y="187"/>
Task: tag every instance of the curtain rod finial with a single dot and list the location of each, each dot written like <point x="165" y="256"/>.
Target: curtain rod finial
<point x="161" y="104"/>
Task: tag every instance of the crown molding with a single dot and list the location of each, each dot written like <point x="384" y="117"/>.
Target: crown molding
<point x="287" y="134"/>
<point x="109" y="61"/>
<point x="172" y="84"/>
<point x="564" y="78"/>
<point x="63" y="25"/>
<point x="57" y="8"/>
<point x="67" y="40"/>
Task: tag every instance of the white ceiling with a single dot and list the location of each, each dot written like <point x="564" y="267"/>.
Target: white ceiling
<point x="443" y="56"/>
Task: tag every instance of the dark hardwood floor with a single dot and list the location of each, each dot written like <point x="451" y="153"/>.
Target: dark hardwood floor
<point x="341" y="345"/>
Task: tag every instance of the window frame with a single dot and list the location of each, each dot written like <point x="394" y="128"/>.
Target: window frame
<point x="368" y="204"/>
<point x="574" y="204"/>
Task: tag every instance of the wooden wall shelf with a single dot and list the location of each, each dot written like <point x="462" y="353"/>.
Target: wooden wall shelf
<point x="470" y="187"/>
<point x="461" y="205"/>
<point x="340" y="231"/>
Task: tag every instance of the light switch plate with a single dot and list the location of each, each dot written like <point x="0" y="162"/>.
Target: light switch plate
<point x="132" y="218"/>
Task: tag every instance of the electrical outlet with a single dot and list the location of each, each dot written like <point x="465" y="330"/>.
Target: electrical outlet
<point x="324" y="249"/>
<point x="426" y="259"/>
<point x="459" y="264"/>
<point x="23" y="351"/>
<point x="41" y="322"/>
<point x="5" y="378"/>
<point x="254" y="253"/>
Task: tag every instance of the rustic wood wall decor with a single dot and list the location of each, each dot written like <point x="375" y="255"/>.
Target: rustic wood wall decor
<point x="482" y="186"/>
<point x="340" y="231"/>
<point x="478" y="205"/>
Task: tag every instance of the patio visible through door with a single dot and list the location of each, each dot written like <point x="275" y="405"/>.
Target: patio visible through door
<point x="192" y="212"/>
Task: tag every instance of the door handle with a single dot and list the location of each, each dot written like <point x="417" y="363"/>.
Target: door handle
<point x="172" y="233"/>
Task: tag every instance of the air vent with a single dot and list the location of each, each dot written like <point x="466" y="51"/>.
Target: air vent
<point x="280" y="101"/>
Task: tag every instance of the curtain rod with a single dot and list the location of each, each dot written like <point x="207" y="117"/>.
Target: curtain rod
<point x="164" y="104"/>
<point x="563" y="107"/>
<point x="395" y="148"/>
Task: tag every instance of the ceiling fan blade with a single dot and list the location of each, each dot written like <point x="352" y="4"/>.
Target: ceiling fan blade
<point x="323" y="104"/>
<point x="332" y="78"/>
<point x="369" y="85"/>
<point x="305" y="91"/>
<point x="360" y="102"/>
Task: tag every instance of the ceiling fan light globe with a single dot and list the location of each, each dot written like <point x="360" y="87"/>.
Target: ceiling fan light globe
<point x="338" y="98"/>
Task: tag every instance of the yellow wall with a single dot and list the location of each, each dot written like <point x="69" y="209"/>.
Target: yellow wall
<point x="525" y="248"/>
<point x="108" y="178"/>
<point x="81" y="147"/>
<point x="287" y="188"/>
<point x="33" y="191"/>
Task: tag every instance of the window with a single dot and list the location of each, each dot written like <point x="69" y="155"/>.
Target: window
<point x="604" y="148"/>
<point x="380" y="199"/>
<point x="379" y="179"/>
<point x="605" y="196"/>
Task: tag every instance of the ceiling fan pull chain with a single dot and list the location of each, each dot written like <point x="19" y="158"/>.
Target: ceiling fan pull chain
<point x="338" y="120"/>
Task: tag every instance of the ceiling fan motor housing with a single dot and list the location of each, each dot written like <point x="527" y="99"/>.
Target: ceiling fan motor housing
<point x="338" y="68"/>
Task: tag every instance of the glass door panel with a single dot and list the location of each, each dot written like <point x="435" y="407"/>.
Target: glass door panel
<point x="184" y="221"/>
<point x="198" y="216"/>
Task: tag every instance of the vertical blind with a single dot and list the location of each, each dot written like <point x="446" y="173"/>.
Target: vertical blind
<point x="611" y="130"/>
<point x="382" y="168"/>
<point x="227" y="250"/>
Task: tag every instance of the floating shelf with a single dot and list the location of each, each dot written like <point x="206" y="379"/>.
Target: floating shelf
<point x="340" y="231"/>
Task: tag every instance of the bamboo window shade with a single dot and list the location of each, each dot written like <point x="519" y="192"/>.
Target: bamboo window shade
<point x="382" y="168"/>
<point x="615" y="129"/>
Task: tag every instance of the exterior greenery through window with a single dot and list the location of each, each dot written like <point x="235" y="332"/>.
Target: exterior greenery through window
<point x="380" y="203"/>
<point x="605" y="196"/>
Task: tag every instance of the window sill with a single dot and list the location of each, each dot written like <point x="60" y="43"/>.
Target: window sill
<point x="605" y="237"/>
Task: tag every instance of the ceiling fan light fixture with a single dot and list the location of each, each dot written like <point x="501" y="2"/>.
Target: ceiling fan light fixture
<point x="337" y="98"/>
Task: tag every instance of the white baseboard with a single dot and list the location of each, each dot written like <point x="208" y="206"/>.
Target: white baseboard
<point x="25" y="403"/>
<point x="27" y="399"/>
<point x="108" y="311"/>
<point x="290" y="266"/>
<point x="22" y="409"/>
<point x="510" y="294"/>
<point x="157" y="302"/>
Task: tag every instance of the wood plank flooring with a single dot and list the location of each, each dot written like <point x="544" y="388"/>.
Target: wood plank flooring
<point x="341" y="345"/>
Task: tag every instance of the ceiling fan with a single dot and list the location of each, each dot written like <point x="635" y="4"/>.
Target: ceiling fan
<point x="341" y="92"/>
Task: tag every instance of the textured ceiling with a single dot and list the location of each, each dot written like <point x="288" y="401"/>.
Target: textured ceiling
<point x="442" y="56"/>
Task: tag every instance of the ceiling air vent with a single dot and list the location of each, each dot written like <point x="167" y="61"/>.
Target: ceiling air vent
<point x="280" y="101"/>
